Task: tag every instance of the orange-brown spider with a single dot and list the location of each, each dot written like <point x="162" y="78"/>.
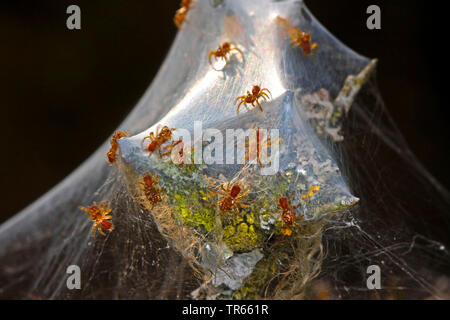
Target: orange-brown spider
<point x="151" y="191"/>
<point x="287" y="215"/>
<point x="114" y="145"/>
<point x="181" y="13"/>
<point x="253" y="97"/>
<point x="298" y="37"/>
<point x="303" y="40"/>
<point x="158" y="139"/>
<point x="230" y="197"/>
<point x="223" y="52"/>
<point x="99" y="214"/>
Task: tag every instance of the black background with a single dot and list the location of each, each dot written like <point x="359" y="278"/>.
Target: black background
<point x="62" y="92"/>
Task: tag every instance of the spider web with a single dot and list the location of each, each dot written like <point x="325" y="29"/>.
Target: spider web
<point x="400" y="223"/>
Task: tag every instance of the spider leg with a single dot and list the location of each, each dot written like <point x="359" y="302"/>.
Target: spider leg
<point x="264" y="91"/>
<point x="239" y="98"/>
<point x="243" y="205"/>
<point x="243" y="193"/>
<point x="223" y="189"/>
<point x="247" y="141"/>
<point x="171" y="146"/>
<point x="259" y="105"/>
<point x="166" y="153"/>
<point x="265" y="95"/>
<point x="151" y="136"/>
<point x="94" y="229"/>
<point x="239" y="106"/>
<point x="237" y="50"/>
<point x="219" y="192"/>
<point x="237" y="211"/>
<point x="101" y="230"/>
<point x="261" y="95"/>
<point x="210" y="55"/>
<point x="297" y="206"/>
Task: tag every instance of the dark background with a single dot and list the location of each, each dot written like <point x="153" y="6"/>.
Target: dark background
<point x="62" y="92"/>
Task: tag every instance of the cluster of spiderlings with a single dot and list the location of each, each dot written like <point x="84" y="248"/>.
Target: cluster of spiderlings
<point x="230" y="194"/>
<point x="250" y="98"/>
<point x="152" y="193"/>
<point x="99" y="214"/>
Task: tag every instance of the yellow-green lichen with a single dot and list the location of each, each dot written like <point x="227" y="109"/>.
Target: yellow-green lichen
<point x="191" y="212"/>
<point x="242" y="234"/>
